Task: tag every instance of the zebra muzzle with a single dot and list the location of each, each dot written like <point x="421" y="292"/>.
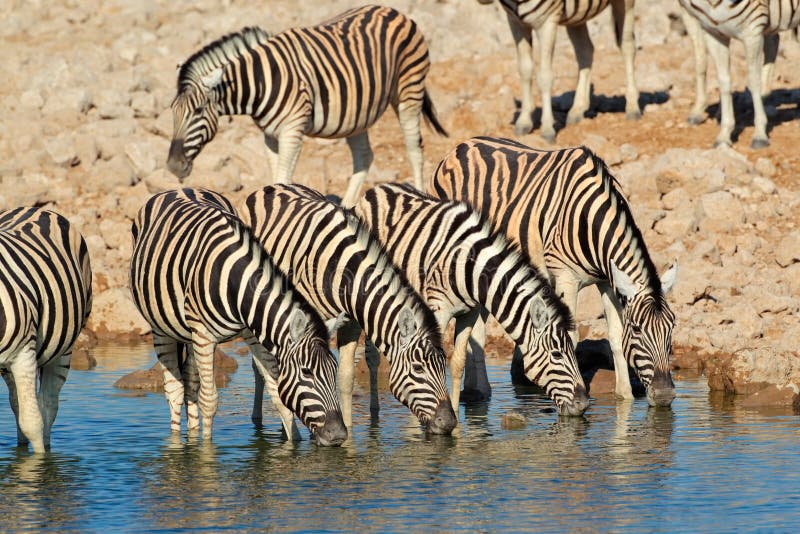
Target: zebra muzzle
<point x="444" y="418"/>
<point x="333" y="433"/>
<point x="661" y="391"/>
<point x="578" y="405"/>
<point x="177" y="162"/>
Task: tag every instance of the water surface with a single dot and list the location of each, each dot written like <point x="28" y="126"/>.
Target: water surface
<point x="704" y="465"/>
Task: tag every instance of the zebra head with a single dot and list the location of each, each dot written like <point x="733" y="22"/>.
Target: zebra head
<point x="195" y="115"/>
<point x="549" y="357"/>
<point x="417" y="375"/>
<point x="307" y="382"/>
<point x="647" y="323"/>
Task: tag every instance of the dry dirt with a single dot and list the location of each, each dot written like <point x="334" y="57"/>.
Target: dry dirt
<point x="85" y="127"/>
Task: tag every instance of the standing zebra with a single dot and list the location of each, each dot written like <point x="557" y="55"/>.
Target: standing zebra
<point x="334" y="260"/>
<point x="199" y="278"/>
<point x="567" y="213"/>
<point x="459" y="264"/>
<point x="332" y="80"/>
<point x="754" y="22"/>
<point x="45" y="298"/>
<point x="544" y="17"/>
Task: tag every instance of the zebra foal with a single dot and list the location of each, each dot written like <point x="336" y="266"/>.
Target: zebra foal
<point x="45" y="298"/>
<point x="459" y="264"/>
<point x="754" y="22"/>
<point x="567" y="213"/>
<point x="544" y="17"/>
<point x="199" y="278"/>
<point x="334" y="260"/>
<point x="332" y="80"/>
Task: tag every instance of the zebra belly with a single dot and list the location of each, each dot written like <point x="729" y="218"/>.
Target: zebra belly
<point x="577" y="12"/>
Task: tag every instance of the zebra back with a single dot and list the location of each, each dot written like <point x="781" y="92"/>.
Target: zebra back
<point x="734" y="19"/>
<point x="45" y="282"/>
<point x="569" y="12"/>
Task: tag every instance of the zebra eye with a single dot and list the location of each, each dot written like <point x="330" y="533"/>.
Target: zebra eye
<point x="418" y="368"/>
<point x="556" y="355"/>
<point x="307" y="374"/>
<point x="636" y="330"/>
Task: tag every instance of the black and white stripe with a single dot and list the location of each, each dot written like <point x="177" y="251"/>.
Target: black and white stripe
<point x="567" y="213"/>
<point x="199" y="278"/>
<point x="334" y="260"/>
<point x="45" y="298"/>
<point x="454" y="258"/>
<point x="544" y="17"/>
<point x="754" y="22"/>
<point x="332" y="80"/>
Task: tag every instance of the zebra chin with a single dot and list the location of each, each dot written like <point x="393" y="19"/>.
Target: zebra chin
<point x="332" y="433"/>
<point x="577" y="406"/>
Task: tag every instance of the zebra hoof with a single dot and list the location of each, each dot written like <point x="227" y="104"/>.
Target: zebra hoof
<point x="522" y="129"/>
<point x="633" y="115"/>
<point x="574" y="118"/>
<point x="759" y="143"/>
<point x="694" y="120"/>
<point x="550" y="137"/>
<point x="721" y="142"/>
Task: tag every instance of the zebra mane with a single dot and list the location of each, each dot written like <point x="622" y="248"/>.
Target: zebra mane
<point x="615" y="192"/>
<point x="377" y="251"/>
<point x="220" y="52"/>
<point x="510" y="249"/>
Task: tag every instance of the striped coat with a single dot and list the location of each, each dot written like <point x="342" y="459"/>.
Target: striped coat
<point x="45" y="299"/>
<point x="332" y="80"/>
<point x="567" y="213"/>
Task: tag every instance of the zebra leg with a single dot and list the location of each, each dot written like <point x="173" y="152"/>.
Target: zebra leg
<point x="22" y="441"/>
<point x="373" y="361"/>
<point x="524" y="42"/>
<point x="547" y="42"/>
<point x="265" y="368"/>
<point x="408" y="113"/>
<point x="771" y="44"/>
<point x="362" y="159"/>
<point x="476" y="382"/>
<point x="754" y="51"/>
<point x="167" y="353"/>
<point x="719" y="48"/>
<point x="622" y="12"/>
<point x="53" y="377"/>
<point x="461" y="339"/>
<point x="286" y="415"/>
<point x="203" y="347"/>
<point x="347" y="339"/>
<point x="29" y="418"/>
<point x="272" y="156"/>
<point x="584" y="50"/>
<point x="289" y="146"/>
<point x="257" y="415"/>
<point x="191" y="381"/>
<point x="698" y="113"/>
<point x="613" y="314"/>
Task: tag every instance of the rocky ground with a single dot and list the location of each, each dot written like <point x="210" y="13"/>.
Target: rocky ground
<point x="85" y="126"/>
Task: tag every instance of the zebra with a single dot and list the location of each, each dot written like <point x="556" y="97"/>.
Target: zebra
<point x="199" y="277"/>
<point x="332" y="80"/>
<point x="45" y="298"/>
<point x="566" y="211"/>
<point x="459" y="264"/>
<point x="754" y="22"/>
<point x="544" y="17"/>
<point x="334" y="260"/>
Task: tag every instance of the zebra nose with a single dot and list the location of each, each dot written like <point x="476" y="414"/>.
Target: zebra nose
<point x="444" y="419"/>
<point x="177" y="162"/>
<point x="579" y="404"/>
<point x="661" y="391"/>
<point x="333" y="432"/>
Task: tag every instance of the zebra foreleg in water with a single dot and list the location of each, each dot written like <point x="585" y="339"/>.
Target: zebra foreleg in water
<point x="332" y="80"/>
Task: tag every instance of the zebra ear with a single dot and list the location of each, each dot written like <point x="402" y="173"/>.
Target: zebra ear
<point x="334" y="324"/>
<point x="297" y="325"/>
<point x="212" y="79"/>
<point x="407" y="324"/>
<point x="540" y="315"/>
<point x="623" y="283"/>
<point x="669" y="277"/>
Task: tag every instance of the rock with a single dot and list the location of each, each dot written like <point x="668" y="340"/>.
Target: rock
<point x="143" y="156"/>
<point x="108" y="175"/>
<point x="765" y="167"/>
<point x="153" y="379"/>
<point x="788" y="250"/>
<point x="723" y="212"/>
<point x="765" y="185"/>
<point x="62" y="151"/>
<point x="601" y="383"/>
<point x="116" y="234"/>
<point x="628" y="152"/>
<point x="607" y="150"/>
<point x="113" y="312"/>
<point x="772" y="395"/>
<point x="513" y="421"/>
<point x="82" y="360"/>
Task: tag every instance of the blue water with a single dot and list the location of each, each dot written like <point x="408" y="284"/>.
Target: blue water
<point x="705" y="465"/>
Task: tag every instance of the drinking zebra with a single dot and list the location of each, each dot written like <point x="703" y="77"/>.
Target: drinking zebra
<point x="754" y="22"/>
<point x="459" y="264"/>
<point x="544" y="17"/>
<point x="45" y="298"/>
<point x="567" y="213"/>
<point x="334" y="260"/>
<point x="199" y="278"/>
<point x="332" y="80"/>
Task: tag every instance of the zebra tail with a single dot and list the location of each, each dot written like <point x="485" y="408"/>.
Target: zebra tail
<point x="429" y="113"/>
